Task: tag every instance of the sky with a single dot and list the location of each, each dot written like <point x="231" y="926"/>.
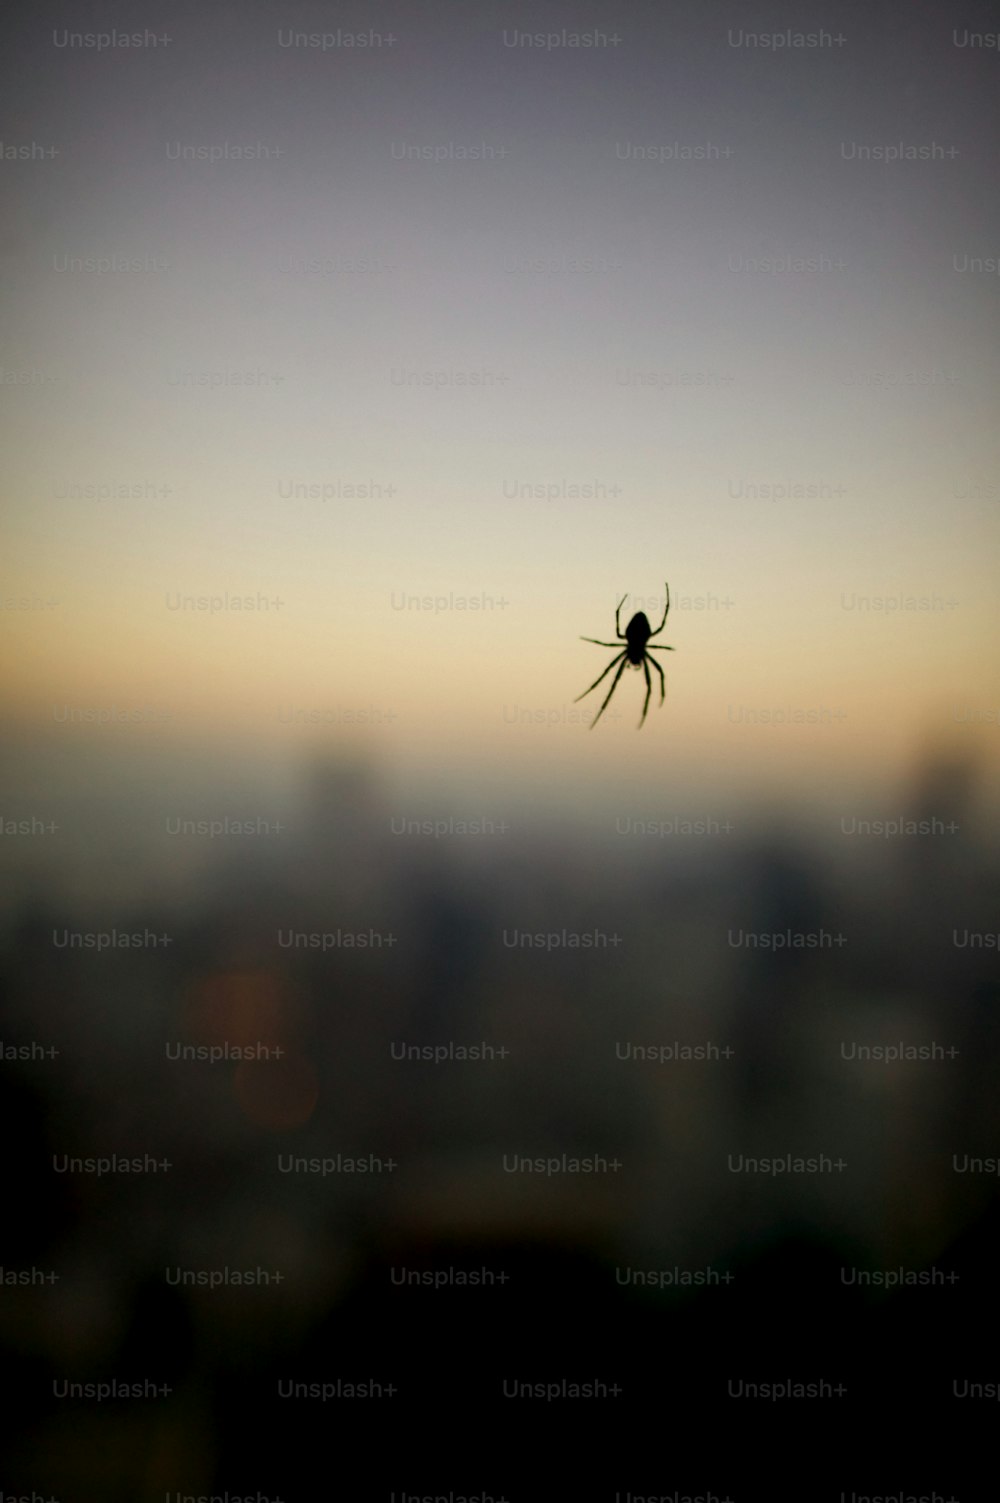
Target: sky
<point x="433" y="349"/>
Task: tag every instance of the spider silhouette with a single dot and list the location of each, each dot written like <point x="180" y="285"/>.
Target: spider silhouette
<point x="636" y="652"/>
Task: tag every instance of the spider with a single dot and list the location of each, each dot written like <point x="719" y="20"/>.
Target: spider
<point x="636" y="652"/>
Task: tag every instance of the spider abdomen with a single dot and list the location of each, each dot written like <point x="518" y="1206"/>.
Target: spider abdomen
<point x="637" y="634"/>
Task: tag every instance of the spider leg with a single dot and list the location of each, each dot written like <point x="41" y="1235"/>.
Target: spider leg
<point x="657" y="647"/>
<point x="618" y="629"/>
<point x="649" y="690"/>
<point x="598" y="680"/>
<point x="600" y="644"/>
<point x="663" y="623"/>
<point x="621" y="670"/>
<point x="663" y="682"/>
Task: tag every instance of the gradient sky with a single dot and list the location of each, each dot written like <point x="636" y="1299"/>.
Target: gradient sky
<point x="559" y="273"/>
